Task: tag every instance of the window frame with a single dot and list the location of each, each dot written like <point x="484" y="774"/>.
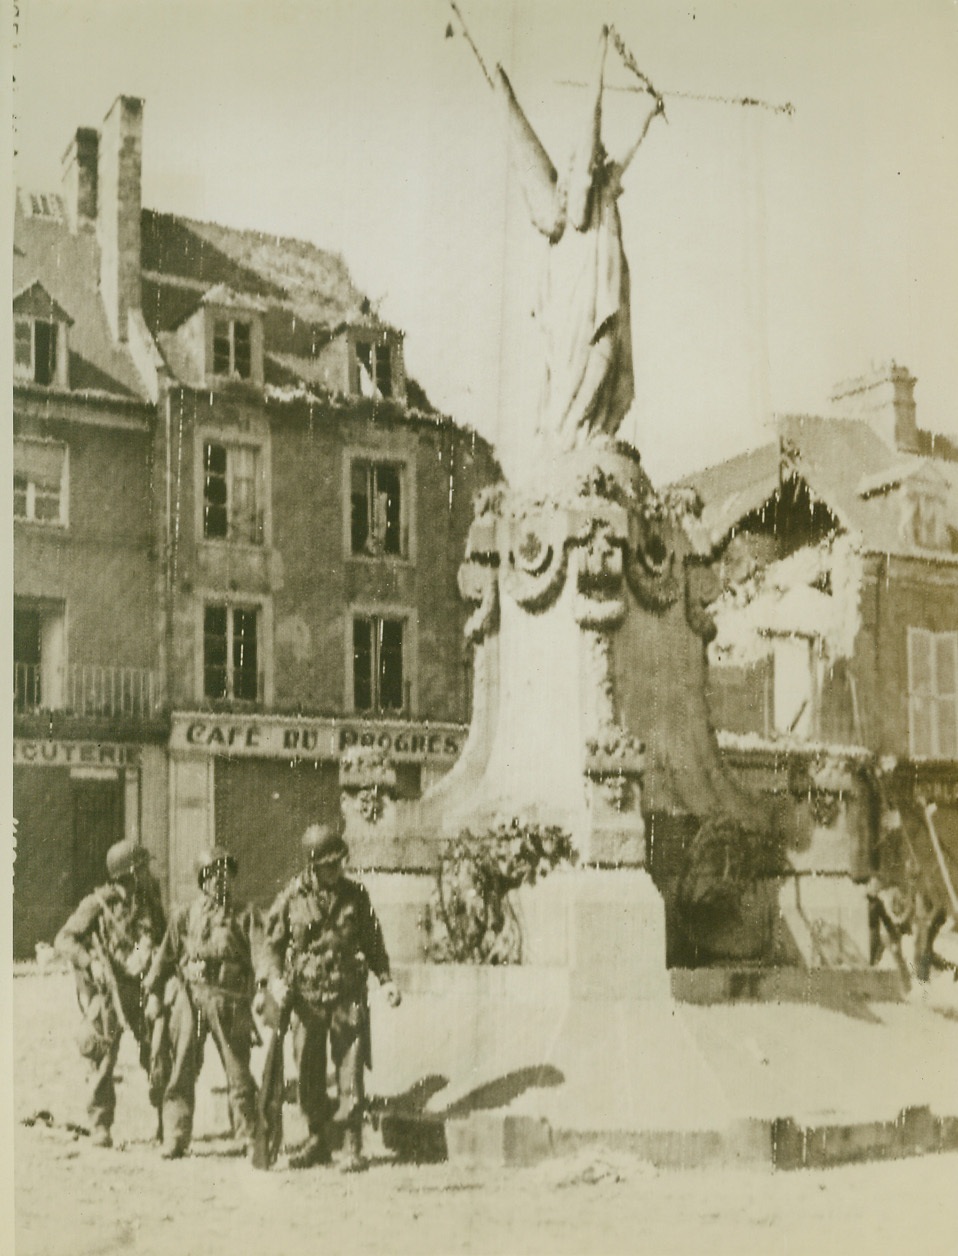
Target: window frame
<point x="403" y="461"/>
<point x="232" y="320"/>
<point x="232" y="608"/>
<point x="30" y="490"/>
<point x="377" y="619"/>
<point x="379" y="346"/>
<point x="28" y="374"/>
<point x="49" y="682"/>
<point x="932" y="696"/>
<point x="406" y="615"/>
<point x="260" y="515"/>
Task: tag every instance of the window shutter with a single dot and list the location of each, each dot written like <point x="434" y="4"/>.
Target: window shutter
<point x="946" y="664"/>
<point x="920" y="661"/>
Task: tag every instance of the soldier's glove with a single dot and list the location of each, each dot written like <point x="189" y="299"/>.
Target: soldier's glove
<point x="279" y="990"/>
<point x="97" y="975"/>
<point x="152" y="1010"/>
<point x="391" y="991"/>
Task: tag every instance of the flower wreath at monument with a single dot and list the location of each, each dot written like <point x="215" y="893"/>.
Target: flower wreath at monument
<point x="470" y="919"/>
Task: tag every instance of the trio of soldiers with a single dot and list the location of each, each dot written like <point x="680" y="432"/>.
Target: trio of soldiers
<point x="202" y="974"/>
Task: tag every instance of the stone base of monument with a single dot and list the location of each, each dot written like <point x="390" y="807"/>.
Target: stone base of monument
<point x="507" y="1066"/>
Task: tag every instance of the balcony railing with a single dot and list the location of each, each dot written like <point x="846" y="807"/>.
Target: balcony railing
<point x="86" y="689"/>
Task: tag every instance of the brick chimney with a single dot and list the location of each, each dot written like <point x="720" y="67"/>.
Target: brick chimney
<point x="885" y="400"/>
<point x="118" y="210"/>
<point x="80" y="177"/>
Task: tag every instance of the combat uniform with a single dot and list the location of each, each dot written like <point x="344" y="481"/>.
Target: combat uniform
<point x="128" y="921"/>
<point x="208" y="947"/>
<point x="321" y="943"/>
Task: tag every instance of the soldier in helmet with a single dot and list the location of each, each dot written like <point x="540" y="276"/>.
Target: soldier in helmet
<point x="322" y="939"/>
<point x="110" y="940"/>
<point x="203" y="972"/>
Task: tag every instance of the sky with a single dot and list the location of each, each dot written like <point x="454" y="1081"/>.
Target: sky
<point x="772" y="256"/>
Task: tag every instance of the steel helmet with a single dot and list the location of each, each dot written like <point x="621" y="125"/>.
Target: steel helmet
<point x="323" y="844"/>
<point x="125" y="857"/>
<point x="212" y="855"/>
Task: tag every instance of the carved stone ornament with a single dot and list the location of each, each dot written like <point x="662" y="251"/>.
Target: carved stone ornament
<point x="617" y="790"/>
<point x="479" y="584"/>
<point x="697" y="614"/>
<point x="362" y="767"/>
<point x="652" y="569"/>
<point x="824" y="783"/>
<point x="598" y="549"/>
<point x="372" y="803"/>
<point x="614" y="752"/>
<point x="600" y="482"/>
<point x="535" y="571"/>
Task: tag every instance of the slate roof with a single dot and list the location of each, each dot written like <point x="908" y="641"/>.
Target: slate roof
<point x="68" y="268"/>
<point x="307" y="295"/>
<point x="845" y="465"/>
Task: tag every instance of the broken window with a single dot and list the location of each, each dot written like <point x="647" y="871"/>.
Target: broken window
<point x="232" y="347"/>
<point x="377" y="508"/>
<point x="35" y="349"/>
<point x="374" y="363"/>
<point x="230" y="653"/>
<point x="378" y="681"/>
<point x="232" y="495"/>
<point x="933" y="694"/>
<point x="39" y="475"/>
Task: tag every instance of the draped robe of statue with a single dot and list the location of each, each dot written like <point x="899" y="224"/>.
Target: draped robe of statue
<point x="583" y="309"/>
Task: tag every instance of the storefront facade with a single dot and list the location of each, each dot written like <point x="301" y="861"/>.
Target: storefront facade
<point x="73" y="798"/>
<point x="253" y="784"/>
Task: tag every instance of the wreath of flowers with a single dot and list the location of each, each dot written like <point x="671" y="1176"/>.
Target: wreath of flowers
<point x="470" y="918"/>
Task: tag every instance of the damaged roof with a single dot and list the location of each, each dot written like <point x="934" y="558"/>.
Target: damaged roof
<point x="66" y="266"/>
<point x="306" y="294"/>
<point x="845" y="466"/>
<point x="311" y="284"/>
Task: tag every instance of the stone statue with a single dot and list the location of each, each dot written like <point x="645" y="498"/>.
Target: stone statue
<point x="584" y="303"/>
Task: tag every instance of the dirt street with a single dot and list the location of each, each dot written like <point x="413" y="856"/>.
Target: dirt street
<point x="74" y="1199"/>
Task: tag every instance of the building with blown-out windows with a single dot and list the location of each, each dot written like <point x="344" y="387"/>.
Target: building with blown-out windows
<point x="237" y="530"/>
<point x="836" y="610"/>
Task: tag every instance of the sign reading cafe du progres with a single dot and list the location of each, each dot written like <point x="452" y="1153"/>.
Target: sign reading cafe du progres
<point x="277" y="738"/>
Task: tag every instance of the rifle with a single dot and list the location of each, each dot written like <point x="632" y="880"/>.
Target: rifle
<point x="269" y="1102"/>
<point x="114" y="1002"/>
<point x="160" y="1067"/>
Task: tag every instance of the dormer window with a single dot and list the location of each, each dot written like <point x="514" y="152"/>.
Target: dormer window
<point x="374" y="368"/>
<point x="924" y="520"/>
<point x="233" y="347"/>
<point x="40" y="327"/>
<point x="35" y="349"/>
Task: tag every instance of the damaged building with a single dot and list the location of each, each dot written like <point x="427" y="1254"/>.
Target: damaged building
<point x="237" y="529"/>
<point x="835" y="659"/>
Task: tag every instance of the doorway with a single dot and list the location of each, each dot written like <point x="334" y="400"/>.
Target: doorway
<point x="97" y="824"/>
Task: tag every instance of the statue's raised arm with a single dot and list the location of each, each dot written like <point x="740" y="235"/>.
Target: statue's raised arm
<point x="584" y="308"/>
<point x="536" y="173"/>
<point x="583" y="312"/>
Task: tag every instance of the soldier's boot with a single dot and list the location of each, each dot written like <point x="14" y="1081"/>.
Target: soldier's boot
<point x="353" y="1160"/>
<point x="100" y="1136"/>
<point x="314" y="1151"/>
